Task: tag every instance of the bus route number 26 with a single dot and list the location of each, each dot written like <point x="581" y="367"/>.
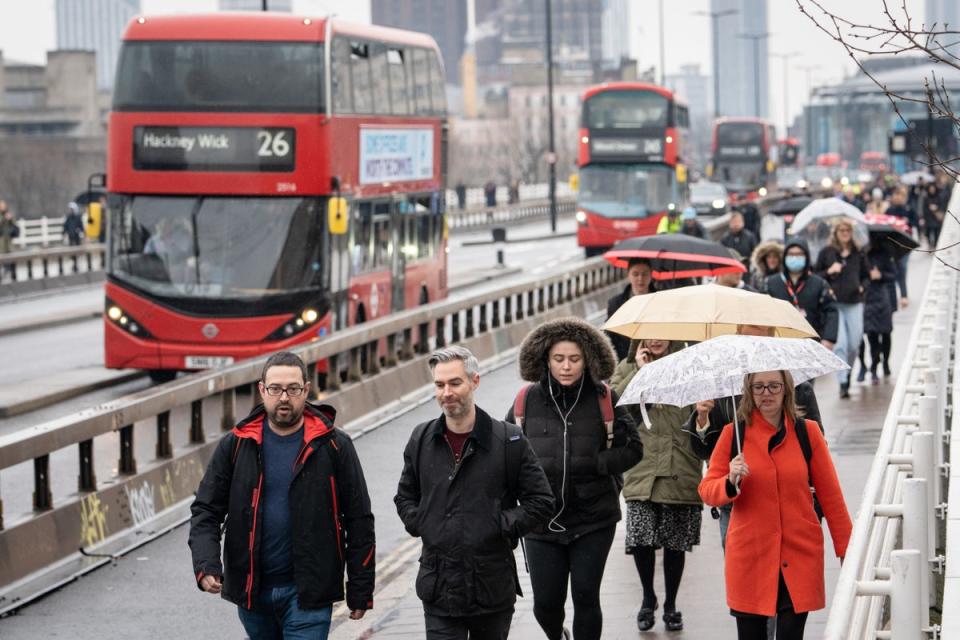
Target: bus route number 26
<point x="272" y="144"/>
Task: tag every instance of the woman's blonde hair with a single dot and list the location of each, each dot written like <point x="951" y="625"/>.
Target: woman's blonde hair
<point x="790" y="408"/>
<point x="835" y="241"/>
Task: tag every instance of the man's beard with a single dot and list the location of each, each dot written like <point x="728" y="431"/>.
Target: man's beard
<point x="283" y="421"/>
<point x="457" y="410"/>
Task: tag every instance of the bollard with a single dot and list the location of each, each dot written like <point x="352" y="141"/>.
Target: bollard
<point x="923" y="468"/>
<point x="905" y="615"/>
<point x="915" y="536"/>
<point x="499" y="238"/>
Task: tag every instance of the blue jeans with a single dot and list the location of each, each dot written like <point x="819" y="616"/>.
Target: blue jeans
<point x="276" y="616"/>
<point x="849" y="335"/>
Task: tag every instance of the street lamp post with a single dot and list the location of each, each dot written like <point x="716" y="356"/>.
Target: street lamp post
<point x="551" y="152"/>
<point x="663" y="68"/>
<point x="756" y="38"/>
<point x="263" y="5"/>
<point x="715" y="23"/>
<point x="786" y="88"/>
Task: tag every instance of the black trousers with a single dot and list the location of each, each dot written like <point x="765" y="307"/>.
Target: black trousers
<point x="490" y="626"/>
<point x="581" y="564"/>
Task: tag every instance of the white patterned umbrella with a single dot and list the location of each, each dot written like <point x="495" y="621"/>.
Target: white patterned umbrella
<point x="715" y="368"/>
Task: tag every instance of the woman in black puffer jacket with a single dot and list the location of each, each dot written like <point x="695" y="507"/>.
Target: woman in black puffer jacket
<point x="562" y="414"/>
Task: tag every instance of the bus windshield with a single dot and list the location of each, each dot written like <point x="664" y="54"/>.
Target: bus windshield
<point x="739" y="134"/>
<point x="740" y="176"/>
<point x="238" y="248"/>
<point x="220" y="76"/>
<point x="627" y="110"/>
<point x="627" y="191"/>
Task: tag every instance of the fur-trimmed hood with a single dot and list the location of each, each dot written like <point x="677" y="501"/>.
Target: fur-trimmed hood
<point x="762" y="251"/>
<point x="599" y="356"/>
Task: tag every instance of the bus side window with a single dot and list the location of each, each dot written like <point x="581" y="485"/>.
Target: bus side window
<point x="436" y="85"/>
<point x="424" y="235"/>
<point x="421" y="82"/>
<point x="411" y="85"/>
<point x="398" y="81"/>
<point x="341" y="84"/>
<point x="383" y="254"/>
<point x="360" y="74"/>
<point x="381" y="80"/>
<point x="361" y="236"/>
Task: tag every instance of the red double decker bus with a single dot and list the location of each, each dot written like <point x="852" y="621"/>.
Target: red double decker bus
<point x="271" y="178"/>
<point x="630" y="162"/>
<point x="744" y="156"/>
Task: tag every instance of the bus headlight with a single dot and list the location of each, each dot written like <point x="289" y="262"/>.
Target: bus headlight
<point x="826" y="183"/>
<point x="581" y="216"/>
<point x="309" y="316"/>
<point x="123" y="320"/>
<point x="844" y="180"/>
<point x="762" y="192"/>
<point x="671" y="206"/>
<point x="719" y="204"/>
<point x="801" y="184"/>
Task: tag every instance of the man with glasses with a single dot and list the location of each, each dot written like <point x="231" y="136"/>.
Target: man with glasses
<point x="292" y="490"/>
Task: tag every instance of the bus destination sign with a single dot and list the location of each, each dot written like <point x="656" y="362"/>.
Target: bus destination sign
<point x="740" y="151"/>
<point x="251" y="149"/>
<point x="641" y="149"/>
<point x="395" y="155"/>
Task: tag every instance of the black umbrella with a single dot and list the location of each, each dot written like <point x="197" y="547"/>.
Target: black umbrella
<point x="895" y="241"/>
<point x="791" y="206"/>
<point x="675" y="255"/>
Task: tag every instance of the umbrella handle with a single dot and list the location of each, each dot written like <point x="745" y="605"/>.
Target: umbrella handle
<point x="645" y="415"/>
<point x="736" y="425"/>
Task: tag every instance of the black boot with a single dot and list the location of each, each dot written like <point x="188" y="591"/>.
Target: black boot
<point x="844" y="390"/>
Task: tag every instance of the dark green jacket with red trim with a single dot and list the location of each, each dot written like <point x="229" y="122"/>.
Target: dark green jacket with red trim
<point x="330" y="517"/>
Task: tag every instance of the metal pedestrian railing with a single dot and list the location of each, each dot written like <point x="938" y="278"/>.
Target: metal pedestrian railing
<point x="888" y="582"/>
<point x="358" y="369"/>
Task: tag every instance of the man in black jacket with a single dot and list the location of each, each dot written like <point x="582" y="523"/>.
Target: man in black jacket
<point x="471" y="486"/>
<point x="739" y="238"/>
<point x="805" y="290"/>
<point x="292" y="491"/>
<point x="640" y="277"/>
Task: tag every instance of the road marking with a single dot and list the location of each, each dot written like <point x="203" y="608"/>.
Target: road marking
<point x="392" y="567"/>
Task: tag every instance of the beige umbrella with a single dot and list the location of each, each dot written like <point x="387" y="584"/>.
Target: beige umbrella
<point x="705" y="311"/>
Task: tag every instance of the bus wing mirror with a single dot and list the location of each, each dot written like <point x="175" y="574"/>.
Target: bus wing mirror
<point x="574" y="182"/>
<point x="337" y="216"/>
<point x="681" y="173"/>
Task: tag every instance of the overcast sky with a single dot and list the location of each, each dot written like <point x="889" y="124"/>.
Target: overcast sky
<point x="27" y="31"/>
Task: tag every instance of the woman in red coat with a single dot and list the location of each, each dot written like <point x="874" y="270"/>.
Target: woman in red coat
<point x="774" y="552"/>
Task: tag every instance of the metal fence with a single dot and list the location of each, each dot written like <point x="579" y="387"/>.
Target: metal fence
<point x="390" y="350"/>
<point x="888" y="580"/>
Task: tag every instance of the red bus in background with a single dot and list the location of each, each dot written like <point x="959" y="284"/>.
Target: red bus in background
<point x="271" y="178"/>
<point x="630" y="161"/>
<point x="789" y="152"/>
<point x="873" y="161"/>
<point x="744" y="156"/>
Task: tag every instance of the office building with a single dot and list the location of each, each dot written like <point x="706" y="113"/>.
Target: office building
<point x="98" y="26"/>
<point x="743" y="48"/>
<point x="256" y="5"/>
<point x="444" y="20"/>
<point x="944" y="13"/>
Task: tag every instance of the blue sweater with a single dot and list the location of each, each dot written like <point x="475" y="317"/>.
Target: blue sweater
<point x="279" y="458"/>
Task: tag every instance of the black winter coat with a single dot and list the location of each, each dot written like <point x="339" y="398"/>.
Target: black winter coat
<point x="722" y="414"/>
<point x="620" y="342"/>
<point x="587" y="496"/>
<point x="881" y="297"/>
<point x="743" y="243"/>
<point x="468" y="515"/>
<point x="330" y="518"/>
<point x="851" y="283"/>
<point x="814" y="299"/>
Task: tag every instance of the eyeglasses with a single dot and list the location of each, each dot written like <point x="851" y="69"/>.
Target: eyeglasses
<point x="292" y="391"/>
<point x="772" y="387"/>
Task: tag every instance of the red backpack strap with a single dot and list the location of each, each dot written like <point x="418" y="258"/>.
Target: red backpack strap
<point x="520" y="404"/>
<point x="606" y="410"/>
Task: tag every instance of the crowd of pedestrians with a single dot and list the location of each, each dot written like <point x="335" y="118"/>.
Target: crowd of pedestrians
<point x="290" y="488"/>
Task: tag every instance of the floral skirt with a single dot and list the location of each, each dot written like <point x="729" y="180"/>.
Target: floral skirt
<point x="670" y="526"/>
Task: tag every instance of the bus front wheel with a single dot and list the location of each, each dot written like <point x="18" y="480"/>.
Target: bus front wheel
<point x="159" y="376"/>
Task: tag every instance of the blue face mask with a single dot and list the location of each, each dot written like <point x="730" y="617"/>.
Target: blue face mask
<point x="795" y="264"/>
